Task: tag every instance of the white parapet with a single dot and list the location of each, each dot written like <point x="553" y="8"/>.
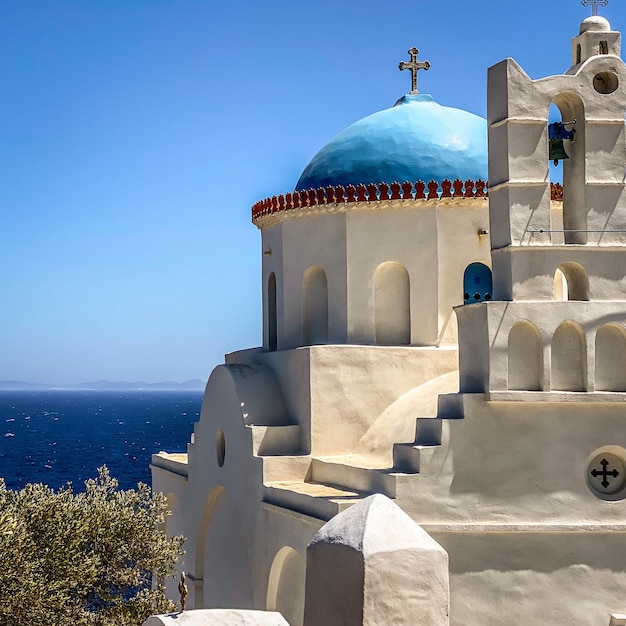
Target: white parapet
<point x="218" y="617"/>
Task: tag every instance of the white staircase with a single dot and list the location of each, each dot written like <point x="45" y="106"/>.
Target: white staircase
<point x="326" y="485"/>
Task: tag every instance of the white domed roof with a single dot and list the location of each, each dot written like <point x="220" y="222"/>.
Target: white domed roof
<point x="595" y="24"/>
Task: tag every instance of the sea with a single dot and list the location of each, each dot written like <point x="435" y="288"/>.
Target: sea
<point x="56" y="437"/>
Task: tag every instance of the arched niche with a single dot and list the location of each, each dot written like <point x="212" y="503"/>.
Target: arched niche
<point x="525" y="356"/>
<point x="392" y="304"/>
<point x="314" y="306"/>
<point x="477" y="283"/>
<point x="571" y="282"/>
<point x="285" y="587"/>
<point x="569" y="358"/>
<point x="571" y="107"/>
<point x="272" y="318"/>
<point x="611" y="358"/>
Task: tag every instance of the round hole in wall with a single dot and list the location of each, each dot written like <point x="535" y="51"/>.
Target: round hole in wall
<point x="220" y="447"/>
<point x="606" y="473"/>
<point x="605" y="82"/>
<point x="476" y="296"/>
<point x="487" y="296"/>
<point x="466" y="296"/>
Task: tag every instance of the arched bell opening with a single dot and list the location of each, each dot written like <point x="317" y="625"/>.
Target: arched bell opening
<point x="571" y="282"/>
<point x="566" y="147"/>
<point x="477" y="283"/>
<point x="556" y="170"/>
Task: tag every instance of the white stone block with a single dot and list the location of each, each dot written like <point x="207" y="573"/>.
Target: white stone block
<point x="372" y="564"/>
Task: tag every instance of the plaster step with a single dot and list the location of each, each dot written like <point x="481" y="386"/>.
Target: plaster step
<point x="450" y="406"/>
<point x="407" y="457"/>
<point x="286" y="467"/>
<point x="350" y="472"/>
<point x="428" y="431"/>
<point x="275" y="440"/>
<point x="310" y="498"/>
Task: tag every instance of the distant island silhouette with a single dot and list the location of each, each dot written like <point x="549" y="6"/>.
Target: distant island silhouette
<point x="105" y="385"/>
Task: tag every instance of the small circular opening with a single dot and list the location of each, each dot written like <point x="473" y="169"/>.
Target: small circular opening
<point x="606" y="473"/>
<point x="605" y="82"/>
<point x="220" y="447"/>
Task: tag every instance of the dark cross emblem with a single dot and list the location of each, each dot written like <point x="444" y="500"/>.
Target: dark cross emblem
<point x="415" y="66"/>
<point x="605" y="473"/>
<point x="594" y="5"/>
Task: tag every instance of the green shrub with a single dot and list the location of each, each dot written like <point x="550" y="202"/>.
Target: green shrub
<point x="96" y="558"/>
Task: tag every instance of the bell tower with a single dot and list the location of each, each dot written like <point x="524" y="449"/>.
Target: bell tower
<point x="558" y="254"/>
<point x="596" y="37"/>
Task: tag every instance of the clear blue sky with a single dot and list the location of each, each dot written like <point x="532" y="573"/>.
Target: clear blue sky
<point x="135" y="135"/>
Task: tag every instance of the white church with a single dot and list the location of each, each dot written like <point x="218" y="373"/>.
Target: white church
<point x="445" y="326"/>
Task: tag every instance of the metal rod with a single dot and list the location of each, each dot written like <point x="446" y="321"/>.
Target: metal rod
<point x="572" y="230"/>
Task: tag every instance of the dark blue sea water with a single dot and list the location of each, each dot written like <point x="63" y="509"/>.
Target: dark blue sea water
<point x="58" y="436"/>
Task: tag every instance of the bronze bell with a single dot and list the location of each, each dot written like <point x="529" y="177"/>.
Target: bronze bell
<point x="557" y="151"/>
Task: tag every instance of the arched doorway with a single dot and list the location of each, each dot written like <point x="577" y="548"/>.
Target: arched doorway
<point x="285" y="587"/>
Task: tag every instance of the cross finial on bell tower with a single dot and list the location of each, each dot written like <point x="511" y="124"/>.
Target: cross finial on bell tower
<point x="594" y="5"/>
<point x="414" y="65"/>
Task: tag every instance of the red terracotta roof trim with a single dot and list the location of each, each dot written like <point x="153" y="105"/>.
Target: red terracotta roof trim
<point x="379" y="192"/>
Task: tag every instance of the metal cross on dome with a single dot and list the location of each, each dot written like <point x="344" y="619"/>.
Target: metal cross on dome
<point x="594" y="5"/>
<point x="415" y="66"/>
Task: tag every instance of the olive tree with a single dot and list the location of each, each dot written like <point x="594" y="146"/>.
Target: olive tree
<point x="97" y="557"/>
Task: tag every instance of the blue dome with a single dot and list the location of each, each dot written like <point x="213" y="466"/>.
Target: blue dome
<point x="416" y="139"/>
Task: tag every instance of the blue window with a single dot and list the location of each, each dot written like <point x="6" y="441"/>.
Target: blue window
<point x="477" y="283"/>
